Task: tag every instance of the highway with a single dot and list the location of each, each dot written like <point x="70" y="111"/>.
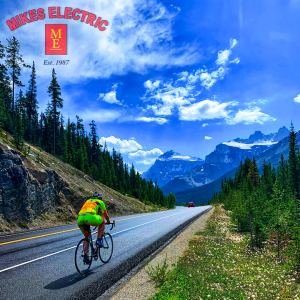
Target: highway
<point x="39" y="264"/>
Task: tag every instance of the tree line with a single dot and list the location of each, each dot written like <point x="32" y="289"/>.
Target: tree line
<point x="267" y="206"/>
<point x="68" y="141"/>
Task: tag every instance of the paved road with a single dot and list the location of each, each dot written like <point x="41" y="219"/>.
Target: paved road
<point x="33" y="266"/>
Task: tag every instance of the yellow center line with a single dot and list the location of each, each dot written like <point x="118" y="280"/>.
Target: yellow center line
<point x="39" y="236"/>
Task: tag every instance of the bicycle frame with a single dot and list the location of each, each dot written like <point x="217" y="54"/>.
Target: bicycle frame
<point x="95" y="251"/>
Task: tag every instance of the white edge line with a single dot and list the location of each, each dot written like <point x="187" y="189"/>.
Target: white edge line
<point x="30" y="261"/>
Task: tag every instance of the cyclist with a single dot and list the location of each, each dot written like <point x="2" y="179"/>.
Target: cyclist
<point x="88" y="216"/>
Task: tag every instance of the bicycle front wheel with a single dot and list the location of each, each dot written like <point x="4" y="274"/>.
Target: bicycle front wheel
<point x="106" y="252"/>
<point x="81" y="265"/>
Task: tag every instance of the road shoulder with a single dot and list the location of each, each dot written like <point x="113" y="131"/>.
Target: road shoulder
<point x="139" y="286"/>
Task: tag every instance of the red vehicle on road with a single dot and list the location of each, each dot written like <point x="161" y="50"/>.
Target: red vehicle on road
<point x="191" y="204"/>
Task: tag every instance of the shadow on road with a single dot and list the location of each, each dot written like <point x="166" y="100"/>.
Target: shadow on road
<point x="66" y="281"/>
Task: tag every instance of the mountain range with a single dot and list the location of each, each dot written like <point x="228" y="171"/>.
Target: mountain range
<point x="205" y="193"/>
<point x="177" y="173"/>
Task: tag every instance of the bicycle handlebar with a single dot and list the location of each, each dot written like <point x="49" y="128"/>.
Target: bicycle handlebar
<point x="113" y="224"/>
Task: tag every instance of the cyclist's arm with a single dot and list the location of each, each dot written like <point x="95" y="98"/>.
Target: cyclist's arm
<point x="106" y="216"/>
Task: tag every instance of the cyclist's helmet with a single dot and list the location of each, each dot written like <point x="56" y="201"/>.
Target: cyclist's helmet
<point x="97" y="195"/>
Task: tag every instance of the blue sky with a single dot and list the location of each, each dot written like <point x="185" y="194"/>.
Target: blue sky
<point x="180" y="75"/>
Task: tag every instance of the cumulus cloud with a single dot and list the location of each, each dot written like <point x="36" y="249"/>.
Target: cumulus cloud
<point x="132" y="42"/>
<point x="205" y="110"/>
<point x="209" y="79"/>
<point x="167" y="97"/>
<point x="151" y="85"/>
<point x="208" y="137"/>
<point x="223" y="57"/>
<point x="250" y="116"/>
<point x="297" y="98"/>
<point x="204" y="125"/>
<point x="145" y="157"/>
<point x="159" y="121"/>
<point x="122" y="146"/>
<point x="110" y="97"/>
<point x="182" y="76"/>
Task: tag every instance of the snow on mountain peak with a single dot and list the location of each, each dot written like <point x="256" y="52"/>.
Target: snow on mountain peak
<point x="171" y="155"/>
<point x="248" y="146"/>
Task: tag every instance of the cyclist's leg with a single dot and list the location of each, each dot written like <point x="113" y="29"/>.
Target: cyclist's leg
<point x="98" y="221"/>
<point x="100" y="230"/>
<point x="86" y="230"/>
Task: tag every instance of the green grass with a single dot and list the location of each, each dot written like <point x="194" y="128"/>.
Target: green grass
<point x="218" y="265"/>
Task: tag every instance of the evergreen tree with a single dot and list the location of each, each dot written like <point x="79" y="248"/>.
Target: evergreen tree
<point x="18" y="132"/>
<point x="56" y="103"/>
<point x="293" y="163"/>
<point x="14" y="60"/>
<point x="32" y="106"/>
<point x="279" y="218"/>
<point x="5" y="95"/>
<point x="171" y="200"/>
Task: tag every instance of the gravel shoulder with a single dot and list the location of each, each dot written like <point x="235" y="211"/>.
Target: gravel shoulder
<point x="139" y="286"/>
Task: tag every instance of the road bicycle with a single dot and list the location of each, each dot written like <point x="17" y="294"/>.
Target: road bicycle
<point x="94" y="251"/>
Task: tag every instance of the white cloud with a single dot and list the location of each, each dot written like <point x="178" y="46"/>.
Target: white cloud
<point x="254" y="103"/>
<point x="204" y="110"/>
<point x="171" y="97"/>
<point x="167" y="97"/>
<point x="110" y="97"/>
<point x="151" y="85"/>
<point x="235" y="61"/>
<point x="159" y="121"/>
<point x="208" y="79"/>
<point x="223" y="57"/>
<point x="122" y="146"/>
<point x="182" y="76"/>
<point x="204" y="125"/>
<point x="145" y="157"/>
<point x="132" y="42"/>
<point x="101" y="115"/>
<point x="250" y="116"/>
<point x="297" y="98"/>
<point x="233" y="42"/>
<point x="208" y="137"/>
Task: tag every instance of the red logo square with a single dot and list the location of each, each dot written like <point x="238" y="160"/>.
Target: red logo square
<point x="56" y="39"/>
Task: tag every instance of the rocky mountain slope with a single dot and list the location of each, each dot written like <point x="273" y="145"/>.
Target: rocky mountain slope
<point x="224" y="158"/>
<point x="171" y="165"/>
<point x="39" y="190"/>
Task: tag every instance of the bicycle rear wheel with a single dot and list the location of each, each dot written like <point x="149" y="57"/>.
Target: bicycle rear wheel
<point x="80" y="265"/>
<point x="106" y="252"/>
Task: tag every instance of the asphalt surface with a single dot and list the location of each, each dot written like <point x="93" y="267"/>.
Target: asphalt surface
<point x="33" y="266"/>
